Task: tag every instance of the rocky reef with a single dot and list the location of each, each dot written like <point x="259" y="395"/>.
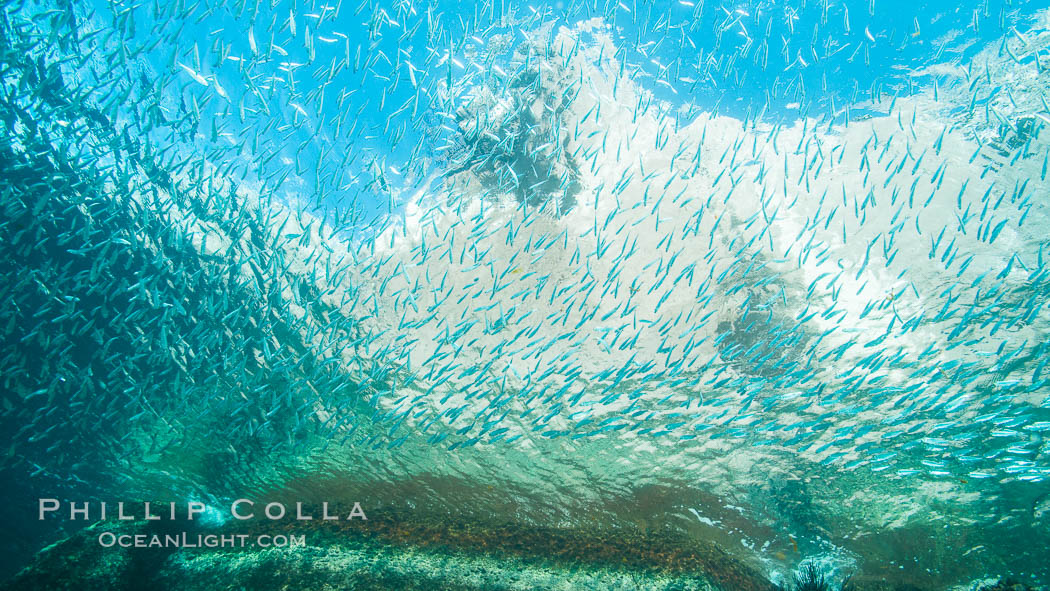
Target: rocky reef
<point x="387" y="551"/>
<point x="392" y="550"/>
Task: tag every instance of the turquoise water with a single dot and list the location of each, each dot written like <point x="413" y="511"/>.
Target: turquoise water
<point x="764" y="276"/>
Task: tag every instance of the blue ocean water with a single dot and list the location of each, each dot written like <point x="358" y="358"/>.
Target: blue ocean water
<point x="765" y="275"/>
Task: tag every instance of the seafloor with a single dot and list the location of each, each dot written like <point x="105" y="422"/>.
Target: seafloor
<point x="400" y="552"/>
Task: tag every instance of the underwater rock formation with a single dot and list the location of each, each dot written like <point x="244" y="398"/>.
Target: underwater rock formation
<point x="387" y="553"/>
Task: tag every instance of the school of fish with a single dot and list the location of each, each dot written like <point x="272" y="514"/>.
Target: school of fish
<point x="541" y="248"/>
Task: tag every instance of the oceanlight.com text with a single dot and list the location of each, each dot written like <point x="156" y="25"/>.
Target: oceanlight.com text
<point x="188" y="540"/>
